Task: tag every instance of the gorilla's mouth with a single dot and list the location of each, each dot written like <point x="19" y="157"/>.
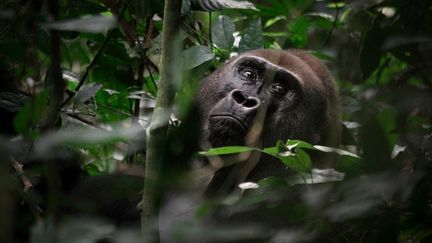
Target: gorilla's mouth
<point x="230" y="117"/>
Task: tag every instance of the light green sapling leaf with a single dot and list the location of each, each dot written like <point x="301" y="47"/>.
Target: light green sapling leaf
<point x="226" y="150"/>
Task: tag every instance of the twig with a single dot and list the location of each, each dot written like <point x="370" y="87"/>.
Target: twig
<point x="333" y="25"/>
<point x="58" y="85"/>
<point x="19" y="169"/>
<point x="34" y="207"/>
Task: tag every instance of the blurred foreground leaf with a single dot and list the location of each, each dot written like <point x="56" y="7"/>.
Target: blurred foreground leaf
<point x="92" y="24"/>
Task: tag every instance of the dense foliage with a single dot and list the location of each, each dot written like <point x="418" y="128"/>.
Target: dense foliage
<point x="108" y="52"/>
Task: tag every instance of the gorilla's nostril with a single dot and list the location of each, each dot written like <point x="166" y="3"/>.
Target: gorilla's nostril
<point x="237" y="96"/>
<point x="251" y="102"/>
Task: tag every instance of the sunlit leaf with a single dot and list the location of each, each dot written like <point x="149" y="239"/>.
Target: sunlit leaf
<point x="274" y="20"/>
<point x="300" y="161"/>
<point x="248" y="185"/>
<point x="226" y="150"/>
<point x="335" y="150"/>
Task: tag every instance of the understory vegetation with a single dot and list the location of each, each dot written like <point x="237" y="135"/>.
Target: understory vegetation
<point x="81" y="80"/>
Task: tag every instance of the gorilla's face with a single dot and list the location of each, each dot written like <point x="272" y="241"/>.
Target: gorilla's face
<point x="250" y="83"/>
<point x="278" y="93"/>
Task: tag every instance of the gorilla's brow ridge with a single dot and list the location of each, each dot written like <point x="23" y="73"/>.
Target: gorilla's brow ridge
<point x="259" y="60"/>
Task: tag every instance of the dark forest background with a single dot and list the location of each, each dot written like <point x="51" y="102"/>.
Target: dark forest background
<point x="79" y="80"/>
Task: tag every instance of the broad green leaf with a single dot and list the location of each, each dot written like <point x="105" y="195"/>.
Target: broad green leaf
<point x="222" y="32"/>
<point x="300" y="161"/>
<point x="298" y="31"/>
<point x="226" y="150"/>
<point x="252" y="37"/>
<point x="271" y="150"/>
<point x="298" y="144"/>
<point x="195" y="56"/>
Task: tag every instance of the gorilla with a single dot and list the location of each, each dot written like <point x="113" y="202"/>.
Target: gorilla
<point x="263" y="96"/>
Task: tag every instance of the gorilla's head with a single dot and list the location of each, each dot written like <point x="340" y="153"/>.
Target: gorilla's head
<point x="290" y="93"/>
<point x="263" y="96"/>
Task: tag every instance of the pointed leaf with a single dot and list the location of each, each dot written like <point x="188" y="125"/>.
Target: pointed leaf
<point x="222" y="32"/>
<point x="226" y="150"/>
<point x="195" y="56"/>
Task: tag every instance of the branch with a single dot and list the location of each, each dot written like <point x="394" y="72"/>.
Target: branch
<point x="333" y="25"/>
<point x="160" y="118"/>
<point x="57" y="85"/>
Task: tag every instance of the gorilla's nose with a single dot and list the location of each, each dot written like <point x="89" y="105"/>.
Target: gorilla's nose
<point x="249" y="102"/>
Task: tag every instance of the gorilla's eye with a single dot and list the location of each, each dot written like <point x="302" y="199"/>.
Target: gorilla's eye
<point x="249" y="73"/>
<point x="279" y="89"/>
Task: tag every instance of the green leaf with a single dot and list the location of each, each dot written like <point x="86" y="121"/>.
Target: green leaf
<point x="151" y="85"/>
<point x="271" y="150"/>
<point x="298" y="31"/>
<point x="335" y="150"/>
<point x="196" y="55"/>
<point x="222" y="32"/>
<point x="298" y="144"/>
<point x="252" y="37"/>
<point x="274" y="20"/>
<point x="226" y="150"/>
<point x="300" y="161"/>
<point x="291" y="144"/>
